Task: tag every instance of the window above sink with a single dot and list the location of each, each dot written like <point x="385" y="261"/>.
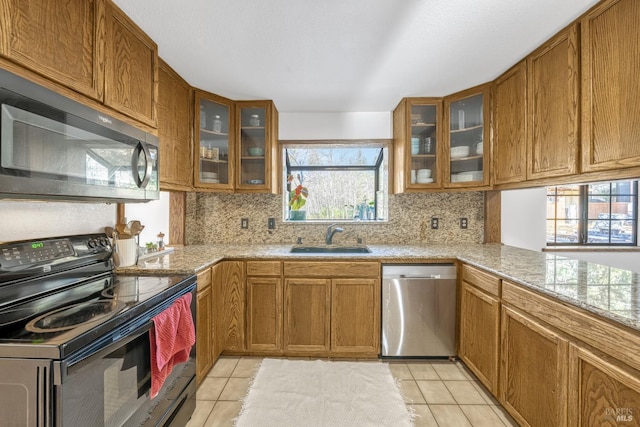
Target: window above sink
<point x="335" y="180"/>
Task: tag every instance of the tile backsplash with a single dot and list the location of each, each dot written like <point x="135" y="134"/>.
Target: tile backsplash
<point x="215" y="218"/>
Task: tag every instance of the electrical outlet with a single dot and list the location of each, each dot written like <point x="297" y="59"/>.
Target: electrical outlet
<point x="244" y="223"/>
<point x="434" y="223"/>
<point x="464" y="223"/>
<point x="271" y="223"/>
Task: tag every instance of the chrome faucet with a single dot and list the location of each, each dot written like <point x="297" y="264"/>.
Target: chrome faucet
<point x="331" y="231"/>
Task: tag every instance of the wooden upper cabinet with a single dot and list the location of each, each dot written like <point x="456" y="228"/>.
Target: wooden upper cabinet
<point x="131" y="68"/>
<point x="417" y="124"/>
<point x="174" y="130"/>
<point x="611" y="86"/>
<point x="214" y="150"/>
<point x="553" y="106"/>
<point x="510" y="125"/>
<point x="466" y="138"/>
<point x="257" y="133"/>
<point x="63" y="41"/>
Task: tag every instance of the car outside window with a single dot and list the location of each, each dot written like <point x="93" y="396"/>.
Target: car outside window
<point x="593" y="214"/>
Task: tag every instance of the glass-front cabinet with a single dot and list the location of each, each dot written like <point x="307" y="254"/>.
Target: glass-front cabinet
<point x="214" y="151"/>
<point x="417" y="144"/>
<point x="257" y="141"/>
<point x="467" y="154"/>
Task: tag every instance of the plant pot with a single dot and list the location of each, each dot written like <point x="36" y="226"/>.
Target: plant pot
<point x="297" y="215"/>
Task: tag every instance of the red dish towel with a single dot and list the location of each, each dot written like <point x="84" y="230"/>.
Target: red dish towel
<point x="171" y="337"/>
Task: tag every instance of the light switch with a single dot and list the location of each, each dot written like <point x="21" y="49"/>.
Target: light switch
<point x="244" y="223"/>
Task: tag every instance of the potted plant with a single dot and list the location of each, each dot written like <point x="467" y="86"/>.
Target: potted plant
<point x="297" y="198"/>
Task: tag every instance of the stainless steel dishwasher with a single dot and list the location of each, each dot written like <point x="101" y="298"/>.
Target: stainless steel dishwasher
<point x="418" y="310"/>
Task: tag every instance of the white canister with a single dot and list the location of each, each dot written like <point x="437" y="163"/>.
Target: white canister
<point x="127" y="252"/>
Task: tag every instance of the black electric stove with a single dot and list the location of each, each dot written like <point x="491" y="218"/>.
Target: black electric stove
<point x="57" y="295"/>
<point x="76" y="338"/>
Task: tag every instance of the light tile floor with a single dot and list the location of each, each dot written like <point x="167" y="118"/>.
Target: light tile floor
<point x="442" y="394"/>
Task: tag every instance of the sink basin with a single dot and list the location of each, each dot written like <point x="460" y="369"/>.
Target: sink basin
<point x="330" y="250"/>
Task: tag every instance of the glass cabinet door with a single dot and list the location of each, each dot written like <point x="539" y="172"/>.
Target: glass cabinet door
<point x="253" y="146"/>
<point x="422" y="145"/>
<point x="213" y="145"/>
<point x="466" y="141"/>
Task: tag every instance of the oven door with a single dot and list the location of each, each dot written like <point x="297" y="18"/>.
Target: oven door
<point x="109" y="384"/>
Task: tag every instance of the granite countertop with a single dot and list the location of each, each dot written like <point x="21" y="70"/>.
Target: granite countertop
<point x="606" y="291"/>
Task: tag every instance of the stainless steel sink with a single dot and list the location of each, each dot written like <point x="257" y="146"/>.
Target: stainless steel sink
<point x="330" y="250"/>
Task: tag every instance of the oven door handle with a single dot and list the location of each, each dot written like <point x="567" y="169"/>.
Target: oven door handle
<point x="107" y="345"/>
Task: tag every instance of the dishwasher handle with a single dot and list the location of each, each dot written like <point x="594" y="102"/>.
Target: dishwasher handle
<point x="431" y="276"/>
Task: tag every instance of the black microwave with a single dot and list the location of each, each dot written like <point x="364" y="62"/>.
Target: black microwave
<point x="53" y="147"/>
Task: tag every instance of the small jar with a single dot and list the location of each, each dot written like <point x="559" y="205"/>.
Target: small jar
<point x="254" y="121"/>
<point x="217" y="124"/>
<point x="160" y="241"/>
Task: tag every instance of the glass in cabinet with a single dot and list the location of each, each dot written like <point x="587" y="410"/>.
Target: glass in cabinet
<point x="214" y="148"/>
<point x="466" y="165"/>
<point x="254" y="145"/>
<point x="422" y="145"/>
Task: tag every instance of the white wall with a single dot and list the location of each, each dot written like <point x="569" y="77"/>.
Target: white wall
<point x="153" y="215"/>
<point x="523" y="218"/>
<point x="524" y="225"/>
<point x="310" y="126"/>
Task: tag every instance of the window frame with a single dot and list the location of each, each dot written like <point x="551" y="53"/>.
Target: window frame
<point x="583" y="215"/>
<point x="384" y="146"/>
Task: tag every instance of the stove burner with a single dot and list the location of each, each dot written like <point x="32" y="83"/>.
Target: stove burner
<point x="9" y="317"/>
<point x="66" y="318"/>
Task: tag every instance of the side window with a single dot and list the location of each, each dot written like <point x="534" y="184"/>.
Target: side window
<point x="594" y="214"/>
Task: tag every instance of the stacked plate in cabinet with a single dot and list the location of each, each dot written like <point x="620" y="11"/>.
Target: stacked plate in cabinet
<point x="467" y="176"/>
<point x="423" y="176"/>
<point x="209" y="177"/>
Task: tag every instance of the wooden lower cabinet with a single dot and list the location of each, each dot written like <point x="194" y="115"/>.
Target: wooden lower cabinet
<point x="355" y="315"/>
<point x="204" y="325"/>
<point x="533" y="371"/>
<point x="307" y="312"/>
<point x="602" y="391"/>
<point x="480" y="334"/>
<point x="230" y="305"/>
<point x="264" y="314"/>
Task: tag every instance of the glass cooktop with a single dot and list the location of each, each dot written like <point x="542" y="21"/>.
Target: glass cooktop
<point x="83" y="312"/>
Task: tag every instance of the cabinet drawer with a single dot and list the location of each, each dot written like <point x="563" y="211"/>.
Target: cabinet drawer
<point x="263" y="268"/>
<point x="203" y="280"/>
<point x="482" y="280"/>
<point x="331" y="269"/>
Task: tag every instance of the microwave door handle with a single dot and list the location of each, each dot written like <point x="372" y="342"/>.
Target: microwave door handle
<point x="141" y="183"/>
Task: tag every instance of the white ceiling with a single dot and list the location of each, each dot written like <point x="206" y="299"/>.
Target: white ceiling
<point x="346" y="55"/>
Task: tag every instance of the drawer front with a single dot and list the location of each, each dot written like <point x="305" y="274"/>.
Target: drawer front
<point x="331" y="269"/>
<point x="203" y="279"/>
<point x="263" y="268"/>
<point x="485" y="281"/>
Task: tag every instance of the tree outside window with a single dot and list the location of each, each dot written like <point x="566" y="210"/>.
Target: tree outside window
<point x="343" y="181"/>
